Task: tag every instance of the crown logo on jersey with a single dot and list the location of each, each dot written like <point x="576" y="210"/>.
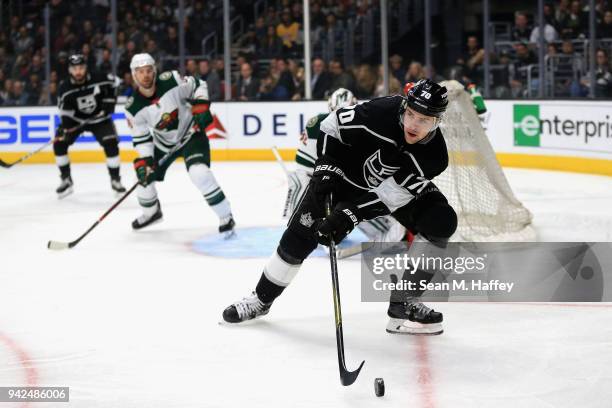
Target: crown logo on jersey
<point x="375" y="171"/>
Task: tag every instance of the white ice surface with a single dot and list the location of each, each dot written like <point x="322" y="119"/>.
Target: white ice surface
<point x="130" y="319"/>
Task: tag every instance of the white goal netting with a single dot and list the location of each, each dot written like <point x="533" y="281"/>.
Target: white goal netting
<point x="474" y="182"/>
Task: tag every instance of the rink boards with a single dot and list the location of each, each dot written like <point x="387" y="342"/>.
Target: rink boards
<point x="557" y="135"/>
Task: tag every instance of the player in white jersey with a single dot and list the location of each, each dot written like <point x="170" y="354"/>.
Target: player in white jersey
<point x="165" y="111"/>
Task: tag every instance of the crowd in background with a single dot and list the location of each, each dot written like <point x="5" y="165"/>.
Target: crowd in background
<point x="566" y="29"/>
<point x="268" y="63"/>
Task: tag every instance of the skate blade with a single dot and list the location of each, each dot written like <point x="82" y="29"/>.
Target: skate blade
<point x="65" y="194"/>
<point x="401" y="326"/>
<point x="160" y="219"/>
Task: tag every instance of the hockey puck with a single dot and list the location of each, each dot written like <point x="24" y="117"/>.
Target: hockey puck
<point x="379" y="387"/>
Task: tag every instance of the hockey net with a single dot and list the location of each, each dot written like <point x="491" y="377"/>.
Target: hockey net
<point x="474" y="181"/>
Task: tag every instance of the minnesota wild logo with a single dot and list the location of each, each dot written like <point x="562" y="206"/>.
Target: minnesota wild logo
<point x="168" y="121"/>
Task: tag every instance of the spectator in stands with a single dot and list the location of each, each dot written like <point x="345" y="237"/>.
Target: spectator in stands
<point x="501" y="76"/>
<point x="105" y="64"/>
<point x="271" y="17"/>
<point x="287" y="31"/>
<point x="518" y="70"/>
<point x="33" y="89"/>
<point x="219" y="67"/>
<point x="550" y="33"/>
<point x="5" y="63"/>
<point x="297" y="75"/>
<point x="18" y="96"/>
<point x="191" y="68"/>
<point x="604" y="30"/>
<point x="21" y="68"/>
<point x="247" y="86"/>
<point x="126" y="88"/>
<point x="270" y="46"/>
<point x="86" y="34"/>
<point x="44" y="96"/>
<point x="260" y="27"/>
<point x="365" y="76"/>
<point x="340" y="77"/>
<point x="170" y="42"/>
<point x="61" y="66"/>
<point x="22" y="42"/>
<point x="90" y="60"/>
<point x="397" y="67"/>
<point x="603" y="78"/>
<point x="333" y="32"/>
<point x="395" y="86"/>
<point x="152" y="49"/>
<point x="37" y="67"/>
<point x="269" y="91"/>
<point x="471" y="60"/>
<point x="575" y="23"/>
<point x="415" y="72"/>
<point x="285" y="79"/>
<point x="321" y="79"/>
<point x="126" y="57"/>
<point x="211" y="78"/>
<point x="549" y="16"/>
<point x="561" y="15"/>
<point x="5" y="92"/>
<point x="521" y="30"/>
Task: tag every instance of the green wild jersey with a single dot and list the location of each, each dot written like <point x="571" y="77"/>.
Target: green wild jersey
<point x="307" y="155"/>
<point x="163" y="120"/>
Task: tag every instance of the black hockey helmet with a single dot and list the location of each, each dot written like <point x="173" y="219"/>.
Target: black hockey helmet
<point x="76" y="59"/>
<point x="427" y="98"/>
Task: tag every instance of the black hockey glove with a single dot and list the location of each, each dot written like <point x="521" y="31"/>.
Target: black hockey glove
<point x="327" y="175"/>
<point x="66" y="135"/>
<point x="337" y="225"/>
<point x="145" y="170"/>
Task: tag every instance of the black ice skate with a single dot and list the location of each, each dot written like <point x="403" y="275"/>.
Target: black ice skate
<point x="226" y="228"/>
<point x="65" y="187"/>
<point x="145" y="221"/>
<point x="413" y="318"/>
<point x="117" y="186"/>
<point x="246" y="309"/>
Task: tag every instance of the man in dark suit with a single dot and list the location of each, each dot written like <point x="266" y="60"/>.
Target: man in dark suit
<point x="247" y="86"/>
<point x="321" y="79"/>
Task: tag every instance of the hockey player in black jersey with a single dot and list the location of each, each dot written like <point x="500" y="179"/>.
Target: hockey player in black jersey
<point x="376" y="158"/>
<point x="86" y="103"/>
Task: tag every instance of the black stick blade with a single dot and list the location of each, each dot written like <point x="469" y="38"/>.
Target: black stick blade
<point x="4" y="164"/>
<point x="349" y="377"/>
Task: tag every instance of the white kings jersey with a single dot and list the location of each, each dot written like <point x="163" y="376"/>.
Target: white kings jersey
<point x="164" y="119"/>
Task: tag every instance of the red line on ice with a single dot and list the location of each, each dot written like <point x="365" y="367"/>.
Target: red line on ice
<point x="31" y="376"/>
<point x="424" y="376"/>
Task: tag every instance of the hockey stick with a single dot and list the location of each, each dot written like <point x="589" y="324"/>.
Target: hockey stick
<point x="26" y="157"/>
<point x="346" y="377"/>
<point x="58" y="245"/>
<point x="279" y="159"/>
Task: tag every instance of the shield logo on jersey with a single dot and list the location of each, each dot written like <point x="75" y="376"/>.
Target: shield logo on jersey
<point x="375" y="171"/>
<point x="87" y="104"/>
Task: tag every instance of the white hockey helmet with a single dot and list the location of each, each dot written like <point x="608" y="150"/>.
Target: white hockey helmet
<point x="141" y="60"/>
<point x="340" y="98"/>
